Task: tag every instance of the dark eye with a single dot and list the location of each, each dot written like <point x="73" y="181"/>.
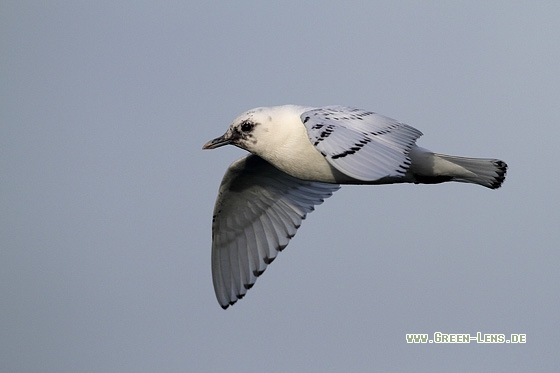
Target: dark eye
<point x="246" y="126"/>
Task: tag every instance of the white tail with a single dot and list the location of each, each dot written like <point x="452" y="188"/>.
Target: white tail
<point x="490" y="173"/>
<point x="430" y="168"/>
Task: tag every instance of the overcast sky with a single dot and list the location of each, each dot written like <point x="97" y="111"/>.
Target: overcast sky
<point x="106" y="197"/>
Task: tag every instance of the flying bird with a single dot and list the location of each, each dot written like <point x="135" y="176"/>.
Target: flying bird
<point x="300" y="156"/>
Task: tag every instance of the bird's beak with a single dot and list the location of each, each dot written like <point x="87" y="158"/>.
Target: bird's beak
<point x="217" y="142"/>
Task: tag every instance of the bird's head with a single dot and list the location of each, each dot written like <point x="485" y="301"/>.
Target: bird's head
<point x="260" y="130"/>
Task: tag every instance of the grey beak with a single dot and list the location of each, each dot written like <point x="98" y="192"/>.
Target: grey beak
<point x="217" y="142"/>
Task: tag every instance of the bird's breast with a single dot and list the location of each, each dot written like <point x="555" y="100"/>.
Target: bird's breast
<point x="306" y="163"/>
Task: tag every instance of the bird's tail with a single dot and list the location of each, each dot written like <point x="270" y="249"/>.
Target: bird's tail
<point x="429" y="168"/>
<point x="490" y="173"/>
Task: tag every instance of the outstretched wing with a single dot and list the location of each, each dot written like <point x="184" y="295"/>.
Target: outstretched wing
<point x="361" y="144"/>
<point x="258" y="210"/>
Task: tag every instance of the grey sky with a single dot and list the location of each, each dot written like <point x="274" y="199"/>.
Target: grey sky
<point x="106" y="197"/>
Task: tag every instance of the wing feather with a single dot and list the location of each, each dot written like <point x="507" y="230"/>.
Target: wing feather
<point x="257" y="212"/>
<point x="361" y="144"/>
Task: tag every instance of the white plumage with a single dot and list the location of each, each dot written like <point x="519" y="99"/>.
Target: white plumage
<point x="300" y="155"/>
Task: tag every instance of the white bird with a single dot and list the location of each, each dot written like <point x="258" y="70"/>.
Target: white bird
<point x="299" y="157"/>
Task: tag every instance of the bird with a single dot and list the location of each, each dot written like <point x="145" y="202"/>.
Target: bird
<point x="299" y="156"/>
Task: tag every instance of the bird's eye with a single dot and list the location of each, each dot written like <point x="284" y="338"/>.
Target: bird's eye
<point x="246" y="126"/>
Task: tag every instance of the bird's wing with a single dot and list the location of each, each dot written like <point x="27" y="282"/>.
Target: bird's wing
<point x="257" y="212"/>
<point x="361" y="144"/>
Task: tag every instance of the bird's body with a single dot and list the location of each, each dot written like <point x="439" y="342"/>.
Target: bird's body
<point x="300" y="156"/>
